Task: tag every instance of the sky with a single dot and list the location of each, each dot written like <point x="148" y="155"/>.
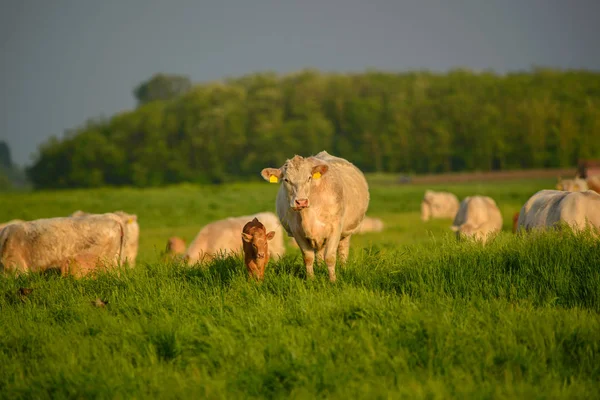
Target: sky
<point x="63" y="62"/>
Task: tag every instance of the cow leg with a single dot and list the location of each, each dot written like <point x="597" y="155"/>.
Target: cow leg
<point x="308" y="253"/>
<point x="331" y="247"/>
<point x="344" y="249"/>
<point x="321" y="254"/>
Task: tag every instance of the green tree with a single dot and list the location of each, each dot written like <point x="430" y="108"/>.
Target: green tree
<point x="161" y="87"/>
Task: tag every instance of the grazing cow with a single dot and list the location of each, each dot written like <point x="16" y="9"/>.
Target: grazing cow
<point x="12" y="221"/>
<point x="223" y="237"/>
<point x="321" y="203"/>
<point x="370" y="224"/>
<point x="547" y="208"/>
<point x="438" y="205"/>
<point x="255" y="242"/>
<point x="593" y="183"/>
<point x="175" y="246"/>
<point x="478" y="217"/>
<point x="132" y="232"/>
<point x="515" y="221"/>
<point x="76" y="245"/>
<point x="572" y="185"/>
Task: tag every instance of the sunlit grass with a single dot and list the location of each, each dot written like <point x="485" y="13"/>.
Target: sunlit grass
<point x="414" y="314"/>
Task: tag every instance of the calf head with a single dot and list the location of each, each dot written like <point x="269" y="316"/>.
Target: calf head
<point x="256" y="236"/>
<point x="299" y="175"/>
<point x="175" y="245"/>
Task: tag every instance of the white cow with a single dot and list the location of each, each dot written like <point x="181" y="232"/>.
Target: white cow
<point x="478" y="217"/>
<point x="547" y="208"/>
<point x="321" y="203"/>
<point x="224" y="237"/>
<point x="438" y="205"/>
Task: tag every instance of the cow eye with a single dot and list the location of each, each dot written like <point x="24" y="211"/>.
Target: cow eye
<point x="286" y="180"/>
<point x="310" y="178"/>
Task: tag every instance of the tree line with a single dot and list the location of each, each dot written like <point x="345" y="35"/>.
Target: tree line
<point x="415" y="122"/>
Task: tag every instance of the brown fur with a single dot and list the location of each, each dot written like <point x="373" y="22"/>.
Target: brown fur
<point x="255" y="242"/>
<point x="320" y="212"/>
<point x="515" y="221"/>
<point x="175" y="246"/>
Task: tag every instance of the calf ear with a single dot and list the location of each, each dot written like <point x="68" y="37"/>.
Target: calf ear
<point x="246" y="237"/>
<point x="318" y="170"/>
<point x="271" y="174"/>
<point x="270" y="235"/>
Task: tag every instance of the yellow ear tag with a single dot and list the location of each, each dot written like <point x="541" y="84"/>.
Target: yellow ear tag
<point x="130" y="220"/>
<point x="273" y="179"/>
<point x="316" y="175"/>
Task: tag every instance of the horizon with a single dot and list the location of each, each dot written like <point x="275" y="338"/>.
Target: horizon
<point x="69" y="62"/>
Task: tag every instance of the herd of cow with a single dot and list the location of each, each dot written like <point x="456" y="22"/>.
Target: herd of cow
<point x="322" y="201"/>
<point x="576" y="203"/>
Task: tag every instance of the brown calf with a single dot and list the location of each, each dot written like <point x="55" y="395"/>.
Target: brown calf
<point x="175" y="245"/>
<point x="256" y="247"/>
<point x="515" y="221"/>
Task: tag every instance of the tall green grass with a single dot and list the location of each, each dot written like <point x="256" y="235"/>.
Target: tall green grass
<point x="414" y="314"/>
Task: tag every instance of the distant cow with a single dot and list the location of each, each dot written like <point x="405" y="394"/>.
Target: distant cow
<point x="547" y="208"/>
<point x="438" y="205"/>
<point x="593" y="183"/>
<point x="175" y="246"/>
<point x="478" y="217"/>
<point x="321" y="203"/>
<point x="572" y="185"/>
<point x="76" y="245"/>
<point x="223" y="237"/>
<point x="255" y="242"/>
<point x="370" y="224"/>
<point x="13" y="221"/>
<point x="132" y="231"/>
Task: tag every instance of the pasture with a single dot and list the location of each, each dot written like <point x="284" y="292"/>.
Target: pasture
<point x="414" y="314"/>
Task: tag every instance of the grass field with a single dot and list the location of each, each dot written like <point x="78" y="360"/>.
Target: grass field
<point x="414" y="314"/>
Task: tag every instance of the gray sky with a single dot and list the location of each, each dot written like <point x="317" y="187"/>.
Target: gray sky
<point x="62" y="62"/>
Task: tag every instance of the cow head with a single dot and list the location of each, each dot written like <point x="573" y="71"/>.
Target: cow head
<point x="298" y="175"/>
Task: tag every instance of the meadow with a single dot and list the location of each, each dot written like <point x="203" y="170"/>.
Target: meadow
<point x="414" y="314"/>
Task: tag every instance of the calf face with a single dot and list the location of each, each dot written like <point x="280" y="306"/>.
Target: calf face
<point x="256" y="247"/>
<point x="298" y="175"/>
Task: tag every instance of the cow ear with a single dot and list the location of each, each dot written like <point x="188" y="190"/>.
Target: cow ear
<point x="271" y="174"/>
<point x="318" y="170"/>
<point x="246" y="237"/>
<point x="270" y="235"/>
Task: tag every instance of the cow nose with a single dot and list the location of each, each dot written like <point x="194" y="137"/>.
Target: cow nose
<point x="261" y="255"/>
<point x="302" y="203"/>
